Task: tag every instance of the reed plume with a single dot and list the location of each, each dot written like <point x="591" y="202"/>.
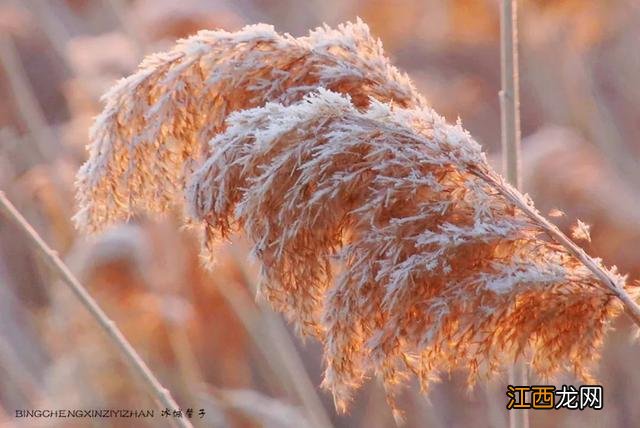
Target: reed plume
<point x="156" y="122"/>
<point x="380" y="229"/>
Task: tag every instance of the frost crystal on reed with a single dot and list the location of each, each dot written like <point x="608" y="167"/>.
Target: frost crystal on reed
<point x="380" y="229"/>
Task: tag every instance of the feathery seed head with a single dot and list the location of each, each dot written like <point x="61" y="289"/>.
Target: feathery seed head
<point x="439" y="270"/>
<point x="156" y="123"/>
<point x="380" y="228"/>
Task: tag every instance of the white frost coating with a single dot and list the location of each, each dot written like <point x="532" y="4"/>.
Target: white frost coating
<point x="522" y="273"/>
<point x="157" y="122"/>
<point x="323" y="154"/>
<point x="432" y="255"/>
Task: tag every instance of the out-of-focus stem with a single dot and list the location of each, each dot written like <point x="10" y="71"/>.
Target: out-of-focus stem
<point x="161" y="395"/>
<point x="289" y="358"/>
<point x="24" y="97"/>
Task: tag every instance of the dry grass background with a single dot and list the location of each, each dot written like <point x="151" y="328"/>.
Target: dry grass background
<point x="202" y="333"/>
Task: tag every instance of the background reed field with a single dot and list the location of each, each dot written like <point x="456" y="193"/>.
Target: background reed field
<point x="201" y="330"/>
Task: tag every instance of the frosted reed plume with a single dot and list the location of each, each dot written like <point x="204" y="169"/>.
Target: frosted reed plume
<point x="439" y="270"/>
<point x="157" y="121"/>
<point x="380" y="228"/>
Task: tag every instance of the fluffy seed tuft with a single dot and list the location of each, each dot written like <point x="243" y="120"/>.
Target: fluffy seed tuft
<point x="380" y="229"/>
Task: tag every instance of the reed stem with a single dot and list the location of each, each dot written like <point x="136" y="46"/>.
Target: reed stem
<point x="510" y="138"/>
<point x="161" y="395"/>
<point x="510" y="94"/>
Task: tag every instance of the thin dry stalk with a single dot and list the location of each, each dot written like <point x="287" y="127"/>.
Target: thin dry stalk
<point x="161" y="395"/>
<point x="23" y="95"/>
<point x="56" y="32"/>
<point x="119" y="8"/>
<point x="510" y="92"/>
<point x="272" y="340"/>
<point x="591" y="111"/>
<point x="510" y="127"/>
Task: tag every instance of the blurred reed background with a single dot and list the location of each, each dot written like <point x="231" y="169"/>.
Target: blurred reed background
<point x="202" y="332"/>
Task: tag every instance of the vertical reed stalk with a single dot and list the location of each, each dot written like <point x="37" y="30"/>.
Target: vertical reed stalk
<point x="510" y="138"/>
<point x="510" y="93"/>
<point x="161" y="395"/>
